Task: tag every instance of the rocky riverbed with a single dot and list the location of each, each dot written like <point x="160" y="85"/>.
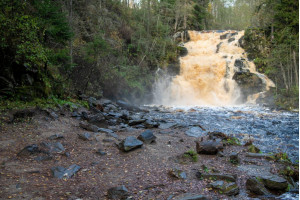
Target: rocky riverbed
<point x="118" y="151"/>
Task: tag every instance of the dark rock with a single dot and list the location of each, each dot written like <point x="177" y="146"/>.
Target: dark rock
<point x="85" y="136"/>
<point x="136" y="122"/>
<point x="89" y="127"/>
<point x="53" y="115"/>
<point x="217" y="135"/>
<point x="101" y="152"/>
<point x="50" y="147"/>
<point x="195" y="132"/>
<point x="107" y="140"/>
<point x="127" y="106"/>
<point x="274" y="182"/>
<point x="249" y="83"/>
<point x="256" y="187"/>
<point x="177" y="173"/>
<point x="76" y="114"/>
<point x="218" y="47"/>
<point x="118" y="193"/>
<point x="147" y="137"/>
<point x="225" y="36"/>
<point x="97" y="119"/>
<point x="61" y="172"/>
<point x="130" y="143"/>
<point x="231" y="40"/>
<point x="234" y="158"/>
<point x="215" y="176"/>
<point x="30" y="149"/>
<point x="241" y="42"/>
<point x="56" y="137"/>
<point x="28" y="112"/>
<point x="151" y="124"/>
<point x="241" y="66"/>
<point x="182" y="49"/>
<point x="43" y="158"/>
<point x="229" y="189"/>
<point x="210" y="147"/>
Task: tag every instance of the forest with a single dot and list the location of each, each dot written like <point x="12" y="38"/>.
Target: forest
<point x="111" y="48"/>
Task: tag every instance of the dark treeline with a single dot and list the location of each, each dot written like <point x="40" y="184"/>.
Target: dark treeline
<point x="112" y="48"/>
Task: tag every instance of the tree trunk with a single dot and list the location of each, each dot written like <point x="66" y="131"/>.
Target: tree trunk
<point x="296" y="69"/>
<point x="284" y="77"/>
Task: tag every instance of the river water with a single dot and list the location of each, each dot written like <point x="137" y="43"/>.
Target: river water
<point x="271" y="130"/>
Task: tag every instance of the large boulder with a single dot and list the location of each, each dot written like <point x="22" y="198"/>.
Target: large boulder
<point x="249" y="83"/>
<point x="274" y="182"/>
<point x="209" y="147"/>
<point x="130" y="143"/>
<point x="256" y="187"/>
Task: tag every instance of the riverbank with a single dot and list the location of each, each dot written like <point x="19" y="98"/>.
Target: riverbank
<point x="34" y="142"/>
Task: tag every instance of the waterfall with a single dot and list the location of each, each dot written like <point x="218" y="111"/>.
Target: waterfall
<point x="215" y="71"/>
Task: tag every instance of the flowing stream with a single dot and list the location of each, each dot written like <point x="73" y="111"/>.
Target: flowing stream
<point x="205" y="93"/>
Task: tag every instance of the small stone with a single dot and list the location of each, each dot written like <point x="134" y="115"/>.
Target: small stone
<point x="85" y="136"/>
<point x="30" y="149"/>
<point x="177" y="173"/>
<point x="89" y="127"/>
<point x="130" y="143"/>
<point x="147" y="137"/>
<point x="50" y="147"/>
<point x="56" y="137"/>
<point x="101" y="152"/>
<point x="61" y="172"/>
<point x="118" y="193"/>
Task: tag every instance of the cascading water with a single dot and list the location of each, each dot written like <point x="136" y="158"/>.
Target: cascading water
<point x="207" y="72"/>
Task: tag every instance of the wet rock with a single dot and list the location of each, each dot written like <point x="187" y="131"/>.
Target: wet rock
<point x="177" y="173"/>
<point x="127" y="106"/>
<point x="241" y="66"/>
<point x="210" y="147"/>
<point x="234" y="158"/>
<point x="147" y="137"/>
<point x="256" y="187"/>
<point x="218" y="47"/>
<point x="89" y="127"/>
<point x="231" y="40"/>
<point x="50" y="147"/>
<point x="182" y="49"/>
<point x="195" y="132"/>
<point x="225" y="36"/>
<point x="56" y="137"/>
<point x="61" y="172"/>
<point x="118" y="193"/>
<point x="85" y="136"/>
<point x="229" y="189"/>
<point x="130" y="143"/>
<point x="30" y="149"/>
<point x="274" y="182"/>
<point x="216" y="176"/>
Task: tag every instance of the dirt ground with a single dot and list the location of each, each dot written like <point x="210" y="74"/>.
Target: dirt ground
<point x="144" y="171"/>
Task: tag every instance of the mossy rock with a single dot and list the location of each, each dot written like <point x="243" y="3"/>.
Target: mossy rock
<point x="253" y="149"/>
